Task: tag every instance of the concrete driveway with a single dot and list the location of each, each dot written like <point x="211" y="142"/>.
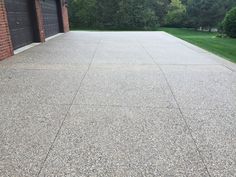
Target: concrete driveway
<point x="117" y="104"/>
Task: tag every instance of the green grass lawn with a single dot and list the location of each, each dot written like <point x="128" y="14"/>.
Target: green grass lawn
<point x="225" y="47"/>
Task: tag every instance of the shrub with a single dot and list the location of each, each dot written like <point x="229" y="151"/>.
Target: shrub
<point x="220" y="28"/>
<point x="230" y="23"/>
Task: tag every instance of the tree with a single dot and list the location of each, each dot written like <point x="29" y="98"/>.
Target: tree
<point x="147" y="14"/>
<point x="129" y="15"/>
<point x="136" y="14"/>
<point x="207" y="13"/>
<point x="160" y="7"/>
<point x="106" y="13"/>
<point x="230" y="23"/>
<point x="176" y="13"/>
<point x="81" y="13"/>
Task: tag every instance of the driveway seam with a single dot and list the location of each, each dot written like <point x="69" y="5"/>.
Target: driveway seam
<point x="67" y="112"/>
<point x="181" y="112"/>
<point x="122" y="106"/>
<point x="97" y="105"/>
<point x="154" y="107"/>
<point x="25" y="69"/>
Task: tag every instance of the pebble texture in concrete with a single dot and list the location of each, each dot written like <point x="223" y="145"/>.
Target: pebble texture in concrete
<point x="117" y="104"/>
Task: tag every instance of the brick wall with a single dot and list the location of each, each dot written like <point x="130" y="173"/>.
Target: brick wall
<point x="39" y="17"/>
<point x="65" y="19"/>
<point x="6" y="49"/>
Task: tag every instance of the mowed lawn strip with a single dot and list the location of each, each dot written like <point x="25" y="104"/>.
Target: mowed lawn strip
<point x="224" y="47"/>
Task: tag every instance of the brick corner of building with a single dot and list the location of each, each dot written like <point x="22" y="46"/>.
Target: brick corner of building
<point x="65" y="18"/>
<point x="6" y="49"/>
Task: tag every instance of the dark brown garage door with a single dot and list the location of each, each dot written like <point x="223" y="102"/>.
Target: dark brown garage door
<point x="50" y="17"/>
<point x="20" y="22"/>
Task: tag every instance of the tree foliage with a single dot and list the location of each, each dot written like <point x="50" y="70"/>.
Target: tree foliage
<point x="147" y="14"/>
<point x="206" y="13"/>
<point x="81" y="12"/>
<point x="117" y="14"/>
<point x="176" y="13"/>
<point x="230" y="23"/>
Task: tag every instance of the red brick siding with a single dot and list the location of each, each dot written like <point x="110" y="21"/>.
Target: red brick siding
<point x="65" y="19"/>
<point x="39" y="17"/>
<point x="6" y="49"/>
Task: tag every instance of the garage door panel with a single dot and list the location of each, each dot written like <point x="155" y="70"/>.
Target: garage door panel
<point x="16" y="5"/>
<point x="19" y="38"/>
<point x="50" y="17"/>
<point x="20" y="22"/>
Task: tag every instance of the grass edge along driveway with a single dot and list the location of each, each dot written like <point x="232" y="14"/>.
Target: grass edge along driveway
<point x="224" y="47"/>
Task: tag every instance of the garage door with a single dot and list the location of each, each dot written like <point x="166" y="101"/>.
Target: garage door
<point x="50" y="17"/>
<point x="20" y="22"/>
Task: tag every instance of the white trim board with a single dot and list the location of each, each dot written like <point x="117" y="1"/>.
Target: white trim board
<point x="51" y="37"/>
<point x="22" y="49"/>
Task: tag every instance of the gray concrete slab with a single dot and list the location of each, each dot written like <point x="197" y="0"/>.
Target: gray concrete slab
<point x="217" y="59"/>
<point x="202" y="87"/>
<point x="118" y="52"/>
<point x="174" y="55"/>
<point x="77" y="54"/>
<point x="215" y="135"/>
<point x="113" y="141"/>
<point x="138" y="104"/>
<point x="26" y="133"/>
<point x="125" y="85"/>
<point x="43" y="86"/>
<point x="80" y="55"/>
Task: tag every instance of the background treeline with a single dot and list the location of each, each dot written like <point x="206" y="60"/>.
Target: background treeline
<point x="148" y="14"/>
